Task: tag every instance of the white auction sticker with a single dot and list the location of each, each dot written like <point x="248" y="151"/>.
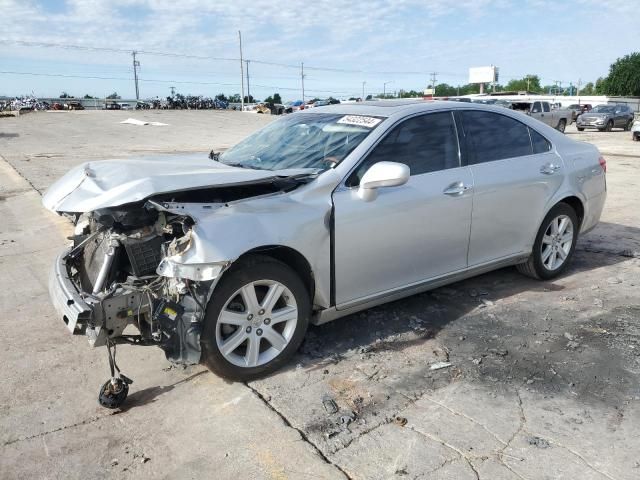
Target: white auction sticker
<point x="360" y="121"/>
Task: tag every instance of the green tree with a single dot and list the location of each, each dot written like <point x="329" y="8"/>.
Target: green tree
<point x="624" y="76"/>
<point x="222" y="97"/>
<point x="87" y="96"/>
<point x="588" y="89"/>
<point x="277" y="98"/>
<point x="65" y="95"/>
<point x="235" y="98"/>
<point x="529" y="83"/>
<point x="599" y="88"/>
<point x="113" y="96"/>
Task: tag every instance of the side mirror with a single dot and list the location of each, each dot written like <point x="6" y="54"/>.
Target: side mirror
<point x="382" y="174"/>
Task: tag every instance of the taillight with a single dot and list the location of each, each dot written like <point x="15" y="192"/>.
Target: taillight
<point x="603" y="164"/>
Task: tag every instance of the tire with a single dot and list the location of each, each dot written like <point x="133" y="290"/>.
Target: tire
<point x="252" y="333"/>
<point x="562" y="124"/>
<point x="609" y="126"/>
<point x="627" y="127"/>
<point x="539" y="267"/>
<point x="580" y="129"/>
<point x="636" y="137"/>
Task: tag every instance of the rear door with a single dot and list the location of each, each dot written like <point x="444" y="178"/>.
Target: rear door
<point x="515" y="174"/>
<point x="548" y="116"/>
<point x="409" y="233"/>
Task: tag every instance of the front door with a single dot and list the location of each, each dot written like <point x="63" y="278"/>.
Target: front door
<point x="409" y="233"/>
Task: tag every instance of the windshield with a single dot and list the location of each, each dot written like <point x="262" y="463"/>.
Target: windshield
<point x="302" y="140"/>
<point x="603" y="109"/>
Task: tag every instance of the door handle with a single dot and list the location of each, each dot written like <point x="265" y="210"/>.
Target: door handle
<point x="549" y="168"/>
<point x="456" y="189"/>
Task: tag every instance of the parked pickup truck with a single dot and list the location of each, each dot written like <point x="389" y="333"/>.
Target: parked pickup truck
<point x="556" y="118"/>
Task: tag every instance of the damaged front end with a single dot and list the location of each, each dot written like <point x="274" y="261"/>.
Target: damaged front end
<point x="118" y="284"/>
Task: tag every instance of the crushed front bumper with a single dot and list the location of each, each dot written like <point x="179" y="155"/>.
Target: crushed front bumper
<point x="99" y="317"/>
<point x="66" y="299"/>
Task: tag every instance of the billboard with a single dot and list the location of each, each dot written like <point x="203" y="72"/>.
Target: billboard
<point x="483" y="74"/>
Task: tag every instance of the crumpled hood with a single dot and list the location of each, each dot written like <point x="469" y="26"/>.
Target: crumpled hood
<point x="110" y="183"/>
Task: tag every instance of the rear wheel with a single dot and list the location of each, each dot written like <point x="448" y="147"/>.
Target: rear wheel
<point x="256" y="319"/>
<point x="562" y="124"/>
<point x="554" y="244"/>
<point x="609" y="126"/>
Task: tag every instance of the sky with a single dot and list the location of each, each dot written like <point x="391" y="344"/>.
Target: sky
<point x="347" y="46"/>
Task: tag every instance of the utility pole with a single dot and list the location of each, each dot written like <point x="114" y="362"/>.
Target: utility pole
<point x="136" y="64"/>
<point x="173" y="91"/>
<point x="363" y="84"/>
<point x="302" y="79"/>
<point x="248" y="88"/>
<point x="241" y="73"/>
<point x="384" y="88"/>
<point x="579" y="85"/>
<point x="433" y="82"/>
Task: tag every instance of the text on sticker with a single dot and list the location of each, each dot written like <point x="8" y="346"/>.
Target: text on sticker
<point x="360" y="121"/>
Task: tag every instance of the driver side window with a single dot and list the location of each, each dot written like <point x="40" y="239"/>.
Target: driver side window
<point x="427" y="143"/>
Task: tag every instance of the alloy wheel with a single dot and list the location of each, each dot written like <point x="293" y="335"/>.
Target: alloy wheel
<point x="557" y="242"/>
<point x="256" y="323"/>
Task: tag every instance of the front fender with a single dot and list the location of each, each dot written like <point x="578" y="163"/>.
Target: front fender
<point x="220" y="237"/>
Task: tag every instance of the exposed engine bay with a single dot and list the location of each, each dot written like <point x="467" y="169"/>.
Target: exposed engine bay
<point x="115" y="265"/>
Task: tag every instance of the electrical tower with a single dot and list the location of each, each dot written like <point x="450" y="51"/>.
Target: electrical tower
<point x="433" y="82"/>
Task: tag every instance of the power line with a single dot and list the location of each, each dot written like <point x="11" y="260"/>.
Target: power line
<point x="151" y="80"/>
<point x="208" y="57"/>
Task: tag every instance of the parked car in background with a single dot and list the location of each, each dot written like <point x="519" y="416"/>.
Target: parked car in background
<point x="314" y="217"/>
<point x="294" y="106"/>
<point x="579" y="108"/>
<point x="606" y="117"/>
<point x="74" y="106"/>
<point x="57" y="106"/>
<point x="112" y="106"/>
<point x="556" y="118"/>
<point x="125" y="106"/>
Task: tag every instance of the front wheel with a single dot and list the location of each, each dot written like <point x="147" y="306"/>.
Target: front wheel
<point x="580" y="129"/>
<point x="256" y="319"/>
<point x="554" y="244"/>
<point x="627" y="127"/>
<point x="609" y="126"/>
<point x="562" y="124"/>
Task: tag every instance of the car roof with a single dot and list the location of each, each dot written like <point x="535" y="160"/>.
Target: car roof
<point x="387" y="108"/>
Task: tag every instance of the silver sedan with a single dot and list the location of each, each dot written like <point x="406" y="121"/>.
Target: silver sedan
<point x="316" y="216"/>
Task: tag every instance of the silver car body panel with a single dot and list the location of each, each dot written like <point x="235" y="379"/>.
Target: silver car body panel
<point x="396" y="245"/>
<point x="111" y="183"/>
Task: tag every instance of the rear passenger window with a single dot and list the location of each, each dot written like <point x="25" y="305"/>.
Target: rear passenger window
<point x="539" y="143"/>
<point x="545" y="107"/>
<point x="491" y="136"/>
<point x="427" y="143"/>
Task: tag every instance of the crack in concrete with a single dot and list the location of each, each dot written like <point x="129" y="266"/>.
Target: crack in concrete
<point x="464" y="415"/>
<point x="303" y="436"/>
<point x="20" y="174"/>
<point x="460" y="453"/>
<point x="87" y="421"/>
<point x="521" y="428"/>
